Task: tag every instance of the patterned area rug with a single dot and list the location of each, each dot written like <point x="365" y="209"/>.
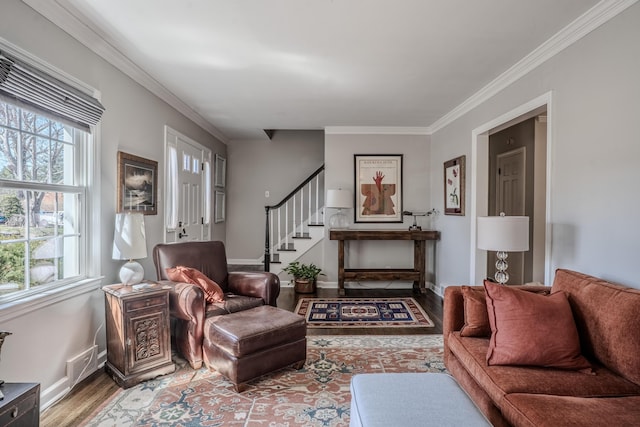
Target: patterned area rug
<point x="362" y="313"/>
<point x="316" y="395"/>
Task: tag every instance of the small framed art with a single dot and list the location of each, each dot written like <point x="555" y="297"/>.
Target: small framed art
<point x="219" y="207"/>
<point x="378" y="188"/>
<point x="220" y="171"/>
<point x="137" y="184"/>
<point x="454" y="182"/>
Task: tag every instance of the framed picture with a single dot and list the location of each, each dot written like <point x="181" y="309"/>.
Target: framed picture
<point x="137" y="184"/>
<point x="219" y="207"/>
<point x="220" y="171"/>
<point x="454" y="186"/>
<point x="378" y="188"/>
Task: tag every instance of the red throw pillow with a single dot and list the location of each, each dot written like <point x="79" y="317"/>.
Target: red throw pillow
<point x="476" y="318"/>
<point x="532" y="329"/>
<point x="212" y="291"/>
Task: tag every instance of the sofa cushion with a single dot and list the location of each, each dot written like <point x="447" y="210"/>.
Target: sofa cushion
<point x="541" y="410"/>
<point x="607" y="316"/>
<point x="500" y="380"/>
<point x="476" y="319"/>
<point x="212" y="291"/>
<point x="531" y="329"/>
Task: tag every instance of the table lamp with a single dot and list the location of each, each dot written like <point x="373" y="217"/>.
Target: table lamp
<point x="503" y="234"/>
<point x="129" y="243"/>
<point x="339" y="199"/>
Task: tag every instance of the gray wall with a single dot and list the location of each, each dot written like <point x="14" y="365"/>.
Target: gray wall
<point x="594" y="155"/>
<point x="133" y="122"/>
<point x="256" y="166"/>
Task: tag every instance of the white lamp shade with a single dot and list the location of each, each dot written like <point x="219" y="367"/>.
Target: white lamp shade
<point x="503" y="233"/>
<point x="129" y="241"/>
<point x="341" y="199"/>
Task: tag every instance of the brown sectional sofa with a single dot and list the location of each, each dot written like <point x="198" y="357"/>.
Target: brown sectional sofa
<point x="608" y="320"/>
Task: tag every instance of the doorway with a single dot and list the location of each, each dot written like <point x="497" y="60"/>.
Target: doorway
<point x="188" y="189"/>
<point x="510" y="172"/>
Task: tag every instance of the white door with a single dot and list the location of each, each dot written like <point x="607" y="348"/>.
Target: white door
<point x="189" y="200"/>
<point x="510" y="199"/>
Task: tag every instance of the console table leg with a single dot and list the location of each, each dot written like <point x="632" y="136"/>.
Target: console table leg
<point x="341" y="268"/>
<point x="419" y="253"/>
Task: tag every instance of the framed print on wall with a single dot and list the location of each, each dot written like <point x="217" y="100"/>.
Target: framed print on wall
<point x="220" y="171"/>
<point x="378" y="188"/>
<point x="137" y="184"/>
<point x="219" y="207"/>
<point x="454" y="183"/>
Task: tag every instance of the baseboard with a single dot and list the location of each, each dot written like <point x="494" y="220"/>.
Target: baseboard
<point x="243" y="261"/>
<point x="62" y="387"/>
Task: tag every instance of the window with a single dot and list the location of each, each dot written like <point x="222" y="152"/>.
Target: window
<point x="45" y="146"/>
<point x="41" y="199"/>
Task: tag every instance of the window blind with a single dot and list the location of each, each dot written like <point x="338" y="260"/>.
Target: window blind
<point x="31" y="86"/>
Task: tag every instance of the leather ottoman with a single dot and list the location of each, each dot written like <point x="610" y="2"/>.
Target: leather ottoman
<point x="245" y="345"/>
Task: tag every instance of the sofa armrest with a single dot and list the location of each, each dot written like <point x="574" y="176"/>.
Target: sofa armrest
<point x="452" y="314"/>
<point x="263" y="285"/>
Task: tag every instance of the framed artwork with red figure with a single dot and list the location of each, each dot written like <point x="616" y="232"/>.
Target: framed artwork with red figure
<point x="378" y="188"/>
<point x="454" y="182"/>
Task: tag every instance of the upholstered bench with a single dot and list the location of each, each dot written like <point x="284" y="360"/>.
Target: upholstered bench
<point x="245" y="345"/>
<point x="411" y="399"/>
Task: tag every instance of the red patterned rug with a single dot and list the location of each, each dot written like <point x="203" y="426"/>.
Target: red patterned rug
<point x="316" y="395"/>
<point x="401" y="312"/>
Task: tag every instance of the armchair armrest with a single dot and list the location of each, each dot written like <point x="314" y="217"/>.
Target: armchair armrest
<point x="255" y="284"/>
<point x="187" y="307"/>
<point x="186" y="301"/>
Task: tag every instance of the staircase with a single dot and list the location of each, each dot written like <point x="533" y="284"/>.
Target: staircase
<point x="296" y="224"/>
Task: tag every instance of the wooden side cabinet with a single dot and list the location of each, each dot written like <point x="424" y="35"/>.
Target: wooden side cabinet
<point x="138" y="334"/>
<point x="20" y="405"/>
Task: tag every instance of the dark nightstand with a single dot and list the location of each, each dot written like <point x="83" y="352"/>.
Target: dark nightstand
<point x="21" y="404"/>
<point x="138" y="334"/>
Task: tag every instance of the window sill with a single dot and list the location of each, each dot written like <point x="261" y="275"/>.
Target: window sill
<point x="13" y="309"/>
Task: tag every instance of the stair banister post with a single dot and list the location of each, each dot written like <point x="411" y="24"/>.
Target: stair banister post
<point x="267" y="241"/>
<point x="309" y="214"/>
<point x="318" y="199"/>
<point x="279" y="227"/>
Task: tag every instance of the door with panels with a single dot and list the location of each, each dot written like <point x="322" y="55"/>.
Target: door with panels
<point x="188" y="189"/>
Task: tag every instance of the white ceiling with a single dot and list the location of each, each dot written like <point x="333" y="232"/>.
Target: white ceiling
<point x="248" y="65"/>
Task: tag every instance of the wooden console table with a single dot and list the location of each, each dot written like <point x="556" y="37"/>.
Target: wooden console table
<point x="417" y="273"/>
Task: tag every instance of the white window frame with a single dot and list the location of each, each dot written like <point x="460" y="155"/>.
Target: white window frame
<point x="21" y="303"/>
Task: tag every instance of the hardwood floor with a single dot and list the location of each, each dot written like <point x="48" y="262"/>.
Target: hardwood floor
<point x="99" y="387"/>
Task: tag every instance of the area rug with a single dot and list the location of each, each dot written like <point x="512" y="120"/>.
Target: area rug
<point x="316" y="395"/>
<point x="363" y="313"/>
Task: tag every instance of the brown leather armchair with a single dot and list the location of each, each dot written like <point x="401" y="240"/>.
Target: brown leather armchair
<point x="243" y="291"/>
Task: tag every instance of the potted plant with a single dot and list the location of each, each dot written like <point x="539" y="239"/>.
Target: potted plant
<point x="304" y="276"/>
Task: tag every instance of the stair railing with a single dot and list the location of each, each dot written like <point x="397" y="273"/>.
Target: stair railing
<point x="291" y="217"/>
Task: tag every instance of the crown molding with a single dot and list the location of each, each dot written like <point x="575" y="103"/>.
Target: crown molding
<point x="376" y="130"/>
<point x="576" y="30"/>
<point x="63" y="15"/>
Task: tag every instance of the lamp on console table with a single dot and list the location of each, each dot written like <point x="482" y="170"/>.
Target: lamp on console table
<point x="130" y="243"/>
<point x="503" y="234"/>
<point x="339" y="199"/>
